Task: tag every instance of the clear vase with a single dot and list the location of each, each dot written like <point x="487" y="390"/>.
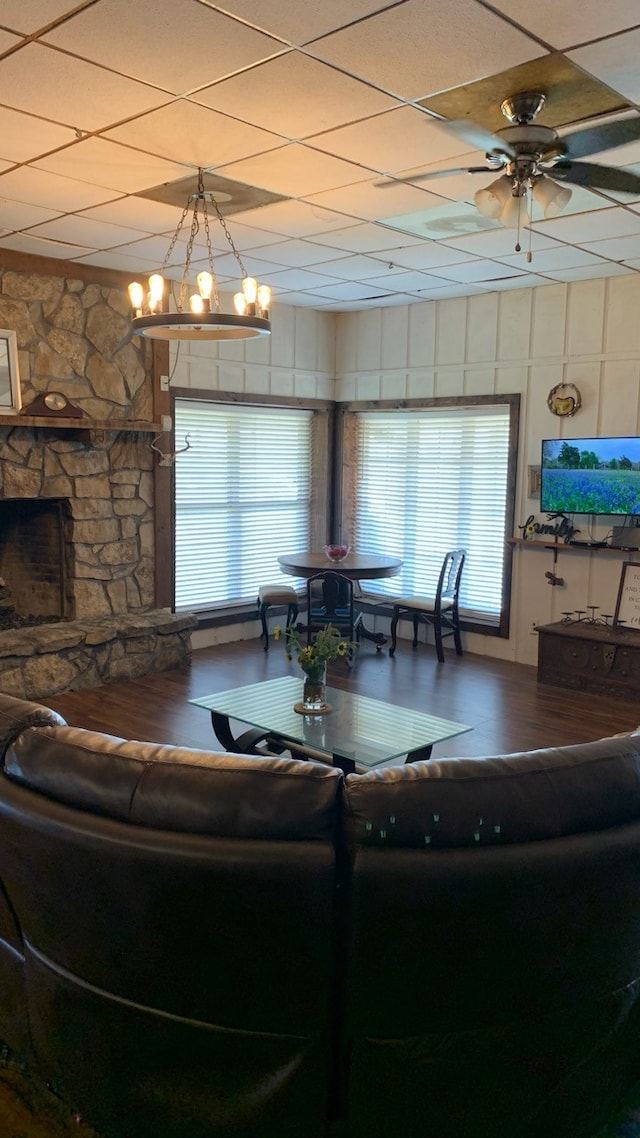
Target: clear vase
<point x="314" y="693"/>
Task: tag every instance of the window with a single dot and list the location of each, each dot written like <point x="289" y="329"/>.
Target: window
<point x="433" y="479"/>
<point x="243" y="493"/>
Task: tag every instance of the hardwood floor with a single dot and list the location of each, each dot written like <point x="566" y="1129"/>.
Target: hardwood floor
<point x="507" y="708"/>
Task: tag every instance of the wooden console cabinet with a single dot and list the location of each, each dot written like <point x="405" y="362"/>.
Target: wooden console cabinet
<point x="590" y="657"/>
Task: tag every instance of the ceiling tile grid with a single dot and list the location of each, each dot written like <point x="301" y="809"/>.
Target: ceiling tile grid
<point x="343" y="112"/>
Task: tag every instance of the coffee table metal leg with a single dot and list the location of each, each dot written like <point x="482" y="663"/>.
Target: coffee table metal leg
<point x="245" y="744"/>
<point x="419" y="753"/>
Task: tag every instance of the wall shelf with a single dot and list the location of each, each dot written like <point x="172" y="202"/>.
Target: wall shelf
<point x="563" y="547"/>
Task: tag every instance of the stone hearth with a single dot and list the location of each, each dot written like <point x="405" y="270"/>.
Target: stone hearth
<point x="45" y="659"/>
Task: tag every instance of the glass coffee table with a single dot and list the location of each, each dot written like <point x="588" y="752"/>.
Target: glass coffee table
<point x="356" y="732"/>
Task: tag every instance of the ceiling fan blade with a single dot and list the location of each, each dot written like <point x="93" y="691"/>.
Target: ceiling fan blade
<point x="478" y="137"/>
<point x="600" y="177"/>
<point x="392" y="180"/>
<point x="604" y="137"/>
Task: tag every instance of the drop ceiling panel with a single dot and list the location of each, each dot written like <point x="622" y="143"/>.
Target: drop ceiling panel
<point x="614" y="61"/>
<point x="28" y="18"/>
<point x="105" y="163"/>
<point x="299" y="23"/>
<point x="588" y="273"/>
<point x="562" y="257"/>
<point x="477" y="271"/>
<point x="295" y="96"/>
<point x="18" y="215"/>
<point x="293" y="169"/>
<point x="364" y="200"/>
<point x="405" y="282"/>
<point x="426" y="256"/>
<point x="105" y="97"/>
<point x="40" y="247"/>
<point x="35" y="187"/>
<point x="24" y="137"/>
<point x="93" y="234"/>
<point x="556" y="23"/>
<point x="300" y="253"/>
<point x="293" y="218"/>
<point x="383" y="50"/>
<point x="7" y="40"/>
<point x="617" y="248"/>
<point x="392" y="141"/>
<point x="571" y="95"/>
<point x="614" y="222"/>
<point x="174" y="46"/>
<point x="367" y="238"/>
<point x="187" y="132"/>
<point x="136" y="213"/>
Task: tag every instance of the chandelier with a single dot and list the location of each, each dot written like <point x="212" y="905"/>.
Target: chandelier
<point x="203" y="320"/>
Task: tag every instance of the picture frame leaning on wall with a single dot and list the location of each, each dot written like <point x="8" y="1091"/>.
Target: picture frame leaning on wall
<point x="627" y="611"/>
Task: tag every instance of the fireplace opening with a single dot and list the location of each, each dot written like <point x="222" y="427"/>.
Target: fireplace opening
<point x="32" y="562"/>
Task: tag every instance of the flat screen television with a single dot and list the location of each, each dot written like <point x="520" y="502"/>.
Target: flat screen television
<point x="590" y="476"/>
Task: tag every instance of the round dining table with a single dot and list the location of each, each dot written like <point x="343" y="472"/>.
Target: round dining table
<point x="356" y="566"/>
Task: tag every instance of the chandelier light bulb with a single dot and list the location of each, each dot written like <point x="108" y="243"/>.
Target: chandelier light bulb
<point x="196" y="303"/>
<point x="250" y="289"/>
<point x="240" y="303"/>
<point x="264" y="298"/>
<point x="156" y="291"/>
<point x="205" y="285"/>
<point x="136" y="296"/>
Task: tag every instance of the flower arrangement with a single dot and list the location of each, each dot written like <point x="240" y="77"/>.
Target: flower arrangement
<point x="313" y="658"/>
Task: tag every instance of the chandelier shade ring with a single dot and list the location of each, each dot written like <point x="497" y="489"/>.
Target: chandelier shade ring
<point x="204" y="319"/>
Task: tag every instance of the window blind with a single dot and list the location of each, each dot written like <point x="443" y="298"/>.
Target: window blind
<point x="429" y="481"/>
<point x="242" y="496"/>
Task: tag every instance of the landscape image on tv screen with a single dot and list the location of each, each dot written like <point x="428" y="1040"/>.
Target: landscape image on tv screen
<point x="590" y="476"/>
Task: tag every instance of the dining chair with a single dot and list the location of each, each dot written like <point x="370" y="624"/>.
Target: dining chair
<point x="440" y="610"/>
<point x="330" y="601"/>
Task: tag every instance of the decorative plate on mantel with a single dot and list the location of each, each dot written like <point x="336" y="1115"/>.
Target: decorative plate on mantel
<point x="52" y="404"/>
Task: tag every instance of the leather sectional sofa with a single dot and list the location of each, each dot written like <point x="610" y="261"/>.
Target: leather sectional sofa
<point x="203" y="945"/>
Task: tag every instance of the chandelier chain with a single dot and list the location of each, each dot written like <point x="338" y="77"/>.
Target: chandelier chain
<point x="205" y="216"/>
<point x="228" y="236"/>
<point x="176" y="234"/>
<point x="195" y="227"/>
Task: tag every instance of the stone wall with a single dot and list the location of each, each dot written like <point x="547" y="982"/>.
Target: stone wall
<point x="72" y="337"/>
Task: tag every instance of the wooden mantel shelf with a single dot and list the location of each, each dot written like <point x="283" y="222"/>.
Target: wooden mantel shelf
<point x="84" y="424"/>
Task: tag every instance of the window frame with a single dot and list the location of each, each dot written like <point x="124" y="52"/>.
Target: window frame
<point x="345" y="467"/>
<point x="322" y="433"/>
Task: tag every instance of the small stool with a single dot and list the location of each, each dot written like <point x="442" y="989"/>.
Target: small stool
<point x="276" y="595"/>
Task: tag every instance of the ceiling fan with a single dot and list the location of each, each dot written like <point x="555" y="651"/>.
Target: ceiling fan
<point x="526" y="152"/>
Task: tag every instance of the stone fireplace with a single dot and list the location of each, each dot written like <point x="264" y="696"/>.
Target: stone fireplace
<point x="33" y="561"/>
<point x="77" y="549"/>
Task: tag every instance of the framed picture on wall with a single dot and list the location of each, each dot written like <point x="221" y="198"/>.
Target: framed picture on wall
<point x="628" y="602"/>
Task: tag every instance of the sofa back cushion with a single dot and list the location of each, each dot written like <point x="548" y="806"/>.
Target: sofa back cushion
<point x="529" y="796"/>
<point x="173" y="788"/>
